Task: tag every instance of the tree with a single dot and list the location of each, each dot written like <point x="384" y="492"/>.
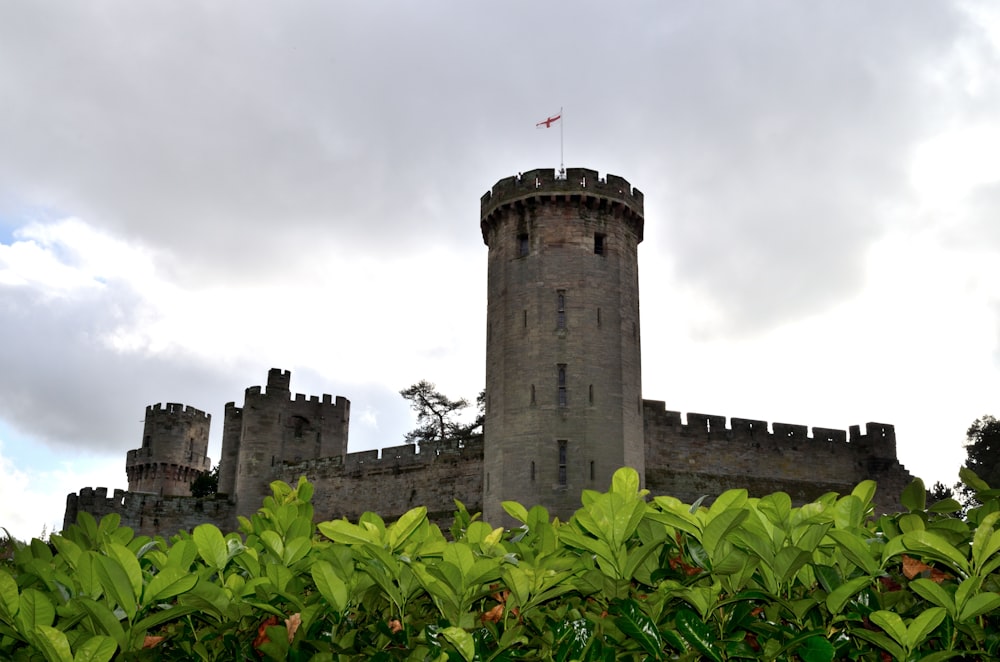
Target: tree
<point x="983" y="449"/>
<point x="206" y="484"/>
<point x="437" y="416"/>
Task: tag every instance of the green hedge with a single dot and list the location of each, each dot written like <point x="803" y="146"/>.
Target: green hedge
<point x="628" y="577"/>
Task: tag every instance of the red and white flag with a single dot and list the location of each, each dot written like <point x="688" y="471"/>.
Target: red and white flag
<point x="547" y="122"/>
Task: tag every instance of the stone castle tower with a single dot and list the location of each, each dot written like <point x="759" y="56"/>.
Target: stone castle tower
<point x="273" y="428"/>
<point x="563" y="376"/>
<point x="564" y="406"/>
<point x="173" y="453"/>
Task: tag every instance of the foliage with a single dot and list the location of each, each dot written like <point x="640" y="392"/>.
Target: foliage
<point x="437" y="416"/>
<point x="206" y="484"/>
<point x="628" y="577"/>
<point x="983" y="449"/>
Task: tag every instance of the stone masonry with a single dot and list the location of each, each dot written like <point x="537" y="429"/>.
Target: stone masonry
<point x="563" y="401"/>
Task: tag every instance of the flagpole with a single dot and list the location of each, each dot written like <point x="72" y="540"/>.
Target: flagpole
<point x="562" y="161"/>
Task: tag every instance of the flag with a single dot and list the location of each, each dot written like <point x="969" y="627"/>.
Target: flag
<point x="547" y="122"/>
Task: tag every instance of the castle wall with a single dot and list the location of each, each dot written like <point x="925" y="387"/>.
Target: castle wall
<point x="394" y="482"/>
<point x="706" y="456"/>
<point x="148" y="514"/>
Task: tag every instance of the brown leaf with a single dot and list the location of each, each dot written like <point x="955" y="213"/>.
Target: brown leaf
<point x="493" y="615"/>
<point x="292" y="624"/>
<point x="151" y="641"/>
<point x="262" y="637"/>
<point x="914" y="567"/>
<point x="394" y="625"/>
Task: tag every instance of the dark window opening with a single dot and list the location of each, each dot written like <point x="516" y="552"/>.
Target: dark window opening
<point x="598" y="243"/>
<point x="532" y="394"/>
<point x="525" y="315"/>
<point x="532" y="471"/>
<point x="562" y="385"/>
<point x="591" y="470"/>
<point x="598" y="317"/>
<point x="522" y="245"/>
<point x="562" y="462"/>
<point x="561" y="309"/>
<point x="591" y="393"/>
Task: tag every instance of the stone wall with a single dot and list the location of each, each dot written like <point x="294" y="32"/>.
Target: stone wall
<point x="706" y="456"/>
<point x="149" y="514"/>
<point x="395" y="481"/>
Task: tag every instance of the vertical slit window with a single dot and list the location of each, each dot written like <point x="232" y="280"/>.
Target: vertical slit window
<point x="598" y="317"/>
<point x="561" y="382"/>
<point x="598" y="243"/>
<point x="591" y="470"/>
<point x="562" y="462"/>
<point x="522" y="244"/>
<point x="524" y="315"/>
<point x="561" y="309"/>
<point x="532" y="471"/>
<point x="591" y="393"/>
<point x="532" y="394"/>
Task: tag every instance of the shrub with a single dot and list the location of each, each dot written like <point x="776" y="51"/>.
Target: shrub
<point x="628" y="577"/>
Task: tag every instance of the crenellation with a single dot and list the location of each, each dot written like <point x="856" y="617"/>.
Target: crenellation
<point x="570" y="232"/>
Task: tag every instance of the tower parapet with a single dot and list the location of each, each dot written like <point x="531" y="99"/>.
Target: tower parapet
<point x="581" y="183"/>
<point x="173" y="453"/>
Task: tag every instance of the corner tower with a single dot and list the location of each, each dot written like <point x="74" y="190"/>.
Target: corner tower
<point x="173" y="453"/>
<point x="563" y="373"/>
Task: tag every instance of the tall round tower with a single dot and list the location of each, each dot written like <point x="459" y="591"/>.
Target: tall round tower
<point x="563" y="374"/>
<point x="173" y="453"/>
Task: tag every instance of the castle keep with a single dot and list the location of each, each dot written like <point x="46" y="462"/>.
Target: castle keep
<point x="564" y="404"/>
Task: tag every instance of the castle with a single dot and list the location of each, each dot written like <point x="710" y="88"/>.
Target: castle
<point x="563" y="410"/>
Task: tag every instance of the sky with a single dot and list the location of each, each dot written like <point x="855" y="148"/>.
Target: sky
<point x="193" y="193"/>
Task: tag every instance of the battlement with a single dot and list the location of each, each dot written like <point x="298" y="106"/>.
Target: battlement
<point x="879" y="439"/>
<point x="389" y="458"/>
<point x="278" y="379"/>
<point x="580" y="183"/>
<point x="176" y="409"/>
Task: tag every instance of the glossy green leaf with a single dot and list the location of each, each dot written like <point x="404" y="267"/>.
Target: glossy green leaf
<point x="914" y="496"/>
<point x="8" y="596"/>
<point x="865" y="490"/>
<point x="625" y="482"/>
<point x="167" y="583"/>
<point x="631" y="620"/>
<point x="53" y="643"/>
<point x="921" y="627"/>
<point x="105" y="619"/>
<point x="816" y="649"/>
<point x="462" y="641"/>
<point x="978" y="605"/>
<point x="892" y="623"/>
<point x="34" y="609"/>
<point x="515" y="510"/>
<point x="837" y="598"/>
<point x="211" y="546"/>
<point x="344" y="532"/>
<point x="856" y="551"/>
<point x="849" y="512"/>
<point x="98" y="648"/>
<point x="697" y="634"/>
<point x="720" y="527"/>
<point x="130" y="564"/>
<point x="330" y="586"/>
<point x="934" y="593"/>
<point x="405" y="526"/>
<point x="116" y="584"/>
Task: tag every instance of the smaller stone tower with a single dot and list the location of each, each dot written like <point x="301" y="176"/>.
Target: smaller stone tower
<point x="273" y="428"/>
<point x="173" y="453"/>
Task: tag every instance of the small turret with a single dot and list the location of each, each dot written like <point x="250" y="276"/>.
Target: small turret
<point x="173" y="452"/>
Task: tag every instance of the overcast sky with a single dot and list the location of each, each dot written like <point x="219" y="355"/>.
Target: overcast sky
<point x="193" y="193"/>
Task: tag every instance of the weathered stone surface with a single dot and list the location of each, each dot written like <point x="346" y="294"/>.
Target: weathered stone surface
<point x="563" y="292"/>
